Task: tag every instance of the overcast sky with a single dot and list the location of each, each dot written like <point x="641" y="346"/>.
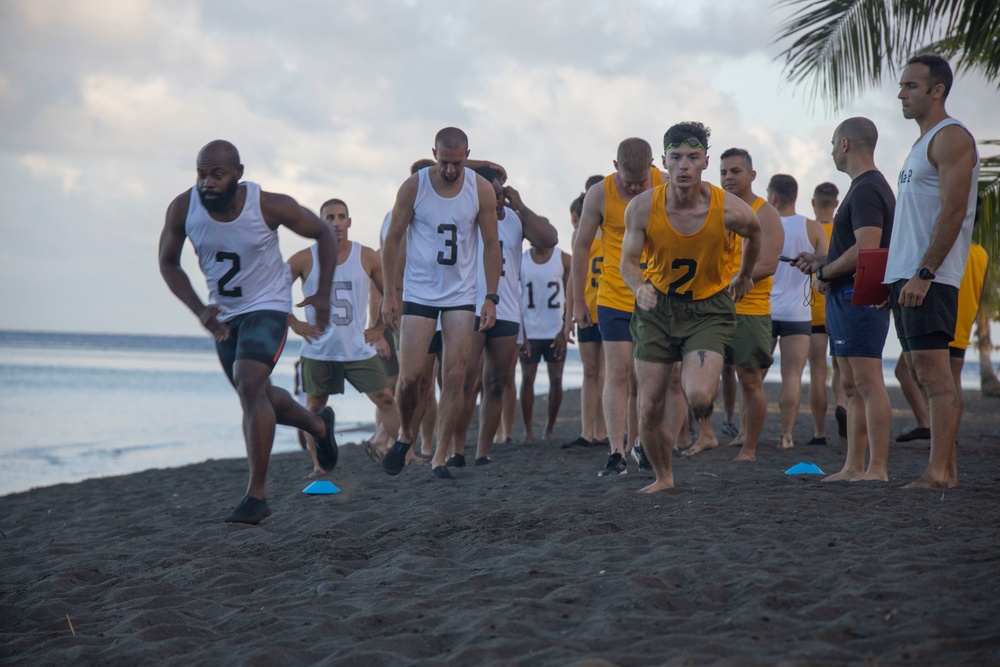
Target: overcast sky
<point x="105" y="104"/>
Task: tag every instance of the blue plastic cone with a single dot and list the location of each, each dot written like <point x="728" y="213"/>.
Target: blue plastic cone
<point x="321" y="489"/>
<point x="804" y="468"/>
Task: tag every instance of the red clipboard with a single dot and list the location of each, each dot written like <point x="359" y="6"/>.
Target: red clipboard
<point x="868" y="287"/>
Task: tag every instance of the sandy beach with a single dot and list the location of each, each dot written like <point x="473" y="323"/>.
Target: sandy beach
<point x="533" y="560"/>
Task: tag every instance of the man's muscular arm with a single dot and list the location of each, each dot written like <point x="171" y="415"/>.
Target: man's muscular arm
<point x="590" y="220"/>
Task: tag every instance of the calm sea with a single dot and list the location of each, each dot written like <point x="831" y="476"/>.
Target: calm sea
<point x="78" y="406"/>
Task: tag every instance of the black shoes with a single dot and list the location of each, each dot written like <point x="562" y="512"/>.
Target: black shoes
<point x="326" y="447"/>
<point x="616" y="465"/>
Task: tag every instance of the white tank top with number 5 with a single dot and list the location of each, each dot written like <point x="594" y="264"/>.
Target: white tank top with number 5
<point x="344" y="339"/>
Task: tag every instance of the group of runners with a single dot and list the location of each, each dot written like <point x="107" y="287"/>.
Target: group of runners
<point x="675" y="289"/>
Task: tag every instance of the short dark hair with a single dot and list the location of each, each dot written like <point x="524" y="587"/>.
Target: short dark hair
<point x="826" y="194"/>
<point x="738" y="152"/>
<point x="859" y="130"/>
<point x="940" y="70"/>
<point x="634" y="155"/>
<point x="784" y="187"/>
<point x="576" y="206"/>
<point x="597" y="178"/>
<point x="451" y="137"/>
<point x="422" y="163"/>
<point x="489" y="173"/>
<point x="687" y="130"/>
<point x="331" y="202"/>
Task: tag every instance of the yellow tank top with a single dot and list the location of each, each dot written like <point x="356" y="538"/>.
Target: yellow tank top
<point x="594" y="276"/>
<point x="819" y="300"/>
<point x="689" y="266"/>
<point x="613" y="292"/>
<point x="969" y="292"/>
<point x="758" y="300"/>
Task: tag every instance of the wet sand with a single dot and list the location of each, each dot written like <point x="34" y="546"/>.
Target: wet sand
<point x="533" y="560"/>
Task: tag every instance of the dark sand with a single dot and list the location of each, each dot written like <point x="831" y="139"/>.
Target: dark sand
<point x="530" y="561"/>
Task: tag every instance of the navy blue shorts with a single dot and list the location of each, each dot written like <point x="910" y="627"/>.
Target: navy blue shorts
<point x="855" y="331"/>
<point x="257" y="336"/>
<point x="614" y="324"/>
<point x="591" y="334"/>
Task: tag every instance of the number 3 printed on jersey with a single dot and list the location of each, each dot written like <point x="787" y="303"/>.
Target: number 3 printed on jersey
<point x="450" y="233"/>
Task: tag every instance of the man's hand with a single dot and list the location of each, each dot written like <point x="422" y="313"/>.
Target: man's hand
<point x="382" y="348"/>
<point x="321" y="305"/>
<point x="581" y="314"/>
<point x="210" y="320"/>
<point x="569" y="331"/>
<point x="487" y="316"/>
<point x="310" y="332"/>
<point x="512" y="198"/>
<point x="646" y="297"/>
<point x="739" y="287"/>
<point x="806" y="262"/>
<point x="913" y="292"/>
<point x="391" y="308"/>
<point x="559" y="346"/>
<point x="820" y="286"/>
<point x="525" y="350"/>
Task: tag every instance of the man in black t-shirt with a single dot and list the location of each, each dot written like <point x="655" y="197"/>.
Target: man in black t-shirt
<point x="857" y="333"/>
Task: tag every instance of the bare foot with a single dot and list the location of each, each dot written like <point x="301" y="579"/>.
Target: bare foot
<point x="786" y="442"/>
<point x="843" y="476"/>
<point x="548" y="435"/>
<point x="529" y="438"/>
<point x="658" y="485"/>
<point x="316" y="473"/>
<point x="928" y="483"/>
<point x="870" y="476"/>
<point x="746" y="454"/>
<point x="701" y="445"/>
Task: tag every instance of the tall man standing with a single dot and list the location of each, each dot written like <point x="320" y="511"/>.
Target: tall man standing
<point x="929" y="248"/>
<point x="234" y="229"/>
<point x="684" y="304"/>
<point x="604" y="209"/>
<point x="439" y="209"/>
<point x="857" y="333"/>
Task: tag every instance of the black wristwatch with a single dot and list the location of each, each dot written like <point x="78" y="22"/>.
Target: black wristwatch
<point x="819" y="275"/>
<point x="925" y="274"/>
<point x="495" y="298"/>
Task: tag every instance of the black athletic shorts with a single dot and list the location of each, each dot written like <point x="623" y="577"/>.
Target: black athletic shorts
<point x="257" y="336"/>
<point x="540" y="348"/>
<point x="432" y="312"/>
<point x="501" y="329"/>
<point x="929" y="326"/>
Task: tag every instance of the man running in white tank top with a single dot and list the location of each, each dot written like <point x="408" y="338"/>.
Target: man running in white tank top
<point x="345" y="351"/>
<point x="233" y="227"/>
<point x="440" y="210"/>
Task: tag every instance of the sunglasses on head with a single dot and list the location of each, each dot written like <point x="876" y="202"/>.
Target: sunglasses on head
<point x="691" y="141"/>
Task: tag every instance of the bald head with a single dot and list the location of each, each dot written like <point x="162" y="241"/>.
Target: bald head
<point x="220" y="152"/>
<point x="859" y="131"/>
<point x="451" y="137"/>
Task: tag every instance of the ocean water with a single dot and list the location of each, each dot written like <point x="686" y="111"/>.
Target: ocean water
<point x="80" y="406"/>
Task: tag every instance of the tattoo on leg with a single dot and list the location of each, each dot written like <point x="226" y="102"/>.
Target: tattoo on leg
<point x="701" y="355"/>
<point x="703" y="413"/>
<point x="943" y="392"/>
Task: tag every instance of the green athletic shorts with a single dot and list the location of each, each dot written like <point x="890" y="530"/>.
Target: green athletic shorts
<point x="751" y="346"/>
<point x="325" y="378"/>
<point x="678" y="326"/>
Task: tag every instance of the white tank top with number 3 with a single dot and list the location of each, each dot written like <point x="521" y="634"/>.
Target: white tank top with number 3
<point x="344" y="339"/>
<point x="441" y="244"/>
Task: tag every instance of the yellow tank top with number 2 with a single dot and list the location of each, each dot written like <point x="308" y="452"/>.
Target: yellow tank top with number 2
<point x="691" y="266"/>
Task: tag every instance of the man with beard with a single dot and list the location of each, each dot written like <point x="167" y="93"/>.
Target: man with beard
<point x="440" y="209"/>
<point x="234" y="229"/>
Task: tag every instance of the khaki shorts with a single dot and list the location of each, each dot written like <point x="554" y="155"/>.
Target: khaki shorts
<point x="751" y="346"/>
<point x="678" y="326"/>
<point x="325" y="378"/>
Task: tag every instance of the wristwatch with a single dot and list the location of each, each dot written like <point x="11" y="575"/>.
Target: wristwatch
<point x="819" y="275"/>
<point x="925" y="274"/>
<point x="495" y="298"/>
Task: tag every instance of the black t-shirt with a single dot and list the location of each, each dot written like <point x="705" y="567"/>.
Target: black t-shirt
<point x="869" y="202"/>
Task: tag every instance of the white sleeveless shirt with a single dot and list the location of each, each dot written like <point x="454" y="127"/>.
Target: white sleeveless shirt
<point x="441" y="245"/>
<point x="511" y="236"/>
<point x="918" y="204"/>
<point x="344" y="339"/>
<point x="790" y="289"/>
<point x="542" y="298"/>
<point x="240" y="259"/>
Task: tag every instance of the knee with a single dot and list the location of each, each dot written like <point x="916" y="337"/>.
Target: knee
<point x="495" y="386"/>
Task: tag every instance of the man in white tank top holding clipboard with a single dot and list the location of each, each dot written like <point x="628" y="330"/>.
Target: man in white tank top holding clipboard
<point x="234" y="229"/>
<point x="440" y="210"/>
<point x="932" y="232"/>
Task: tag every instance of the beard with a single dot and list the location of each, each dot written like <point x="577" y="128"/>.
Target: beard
<point x="222" y="200"/>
